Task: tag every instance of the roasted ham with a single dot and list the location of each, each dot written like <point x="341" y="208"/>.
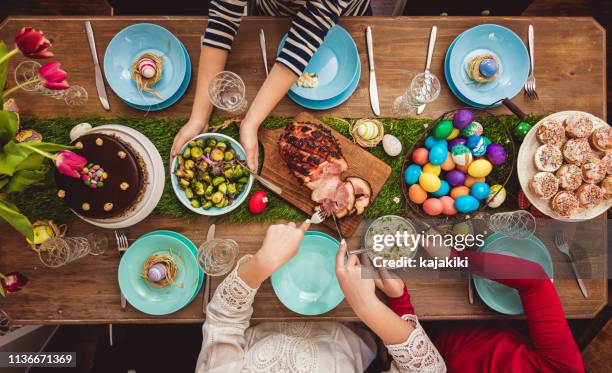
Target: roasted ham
<point x="314" y="157"/>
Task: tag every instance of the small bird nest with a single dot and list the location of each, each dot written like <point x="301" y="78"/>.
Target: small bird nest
<point x="168" y="262"/>
<point x="56" y="231"/>
<point x="353" y="128"/>
<point x="144" y="84"/>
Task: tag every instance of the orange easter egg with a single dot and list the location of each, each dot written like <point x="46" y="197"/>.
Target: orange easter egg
<point x="463" y="169"/>
<point x="470" y="180"/>
<point x="448" y="164"/>
<point x="417" y="194"/>
<point x="459" y="191"/>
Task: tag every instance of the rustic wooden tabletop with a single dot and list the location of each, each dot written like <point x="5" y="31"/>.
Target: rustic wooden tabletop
<point x="571" y="72"/>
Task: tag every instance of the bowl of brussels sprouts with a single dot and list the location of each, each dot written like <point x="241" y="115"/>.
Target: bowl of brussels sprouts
<point x="208" y="175"/>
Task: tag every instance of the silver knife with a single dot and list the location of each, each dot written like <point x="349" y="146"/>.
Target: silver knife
<point x="262" y="45"/>
<point x="583" y="288"/>
<point x="430" y="50"/>
<point x="209" y="236"/>
<point x="373" y="88"/>
<point x="99" y="79"/>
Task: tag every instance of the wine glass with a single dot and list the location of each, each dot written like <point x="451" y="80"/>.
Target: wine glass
<point x="227" y="92"/>
<point x="218" y="256"/>
<point x="424" y="88"/>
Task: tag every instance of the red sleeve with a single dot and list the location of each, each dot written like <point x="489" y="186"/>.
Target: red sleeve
<point x="553" y="343"/>
<point x="401" y="305"/>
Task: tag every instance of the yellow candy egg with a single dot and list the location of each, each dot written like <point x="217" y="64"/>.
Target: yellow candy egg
<point x="430" y="182"/>
<point x="480" y="168"/>
<point x="454" y="133"/>
<point x="432" y="169"/>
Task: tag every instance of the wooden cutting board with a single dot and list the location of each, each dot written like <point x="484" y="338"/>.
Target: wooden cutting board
<point x="360" y="163"/>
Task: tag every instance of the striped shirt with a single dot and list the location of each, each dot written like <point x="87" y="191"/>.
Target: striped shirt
<point x="312" y="19"/>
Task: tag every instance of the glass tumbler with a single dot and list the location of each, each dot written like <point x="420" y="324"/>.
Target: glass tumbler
<point x="227" y="92"/>
<point x="424" y="88"/>
<point x="59" y="251"/>
<point x="218" y="256"/>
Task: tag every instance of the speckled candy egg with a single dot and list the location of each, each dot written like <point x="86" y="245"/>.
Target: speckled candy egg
<point x="459" y="191"/>
<point x="442" y="130"/>
<point x="417" y="194"/>
<point x="430" y="142"/>
<point x="455" y="177"/>
<point x="444" y="189"/>
<point x="463" y="118"/>
<point x="457" y="141"/>
<point x="433" y="206"/>
<point x="462" y="156"/>
<point x="480" y="190"/>
<point x="438" y="154"/>
<point x="466" y="204"/>
<point x="429" y="182"/>
<point x="391" y="145"/>
<point x="480" y="168"/>
<point x="496" y="154"/>
<point x="497" y="196"/>
<point x="472" y="129"/>
<point x="448" y="163"/>
<point x="432" y="169"/>
<point x="448" y="205"/>
<point x="412" y="173"/>
<point x="420" y="156"/>
<point x="454" y="134"/>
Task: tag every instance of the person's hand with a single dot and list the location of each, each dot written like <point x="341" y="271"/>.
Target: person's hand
<point x="359" y="292"/>
<point x="190" y="130"/>
<point x="248" y="139"/>
<point x="281" y="243"/>
<point x="390" y="284"/>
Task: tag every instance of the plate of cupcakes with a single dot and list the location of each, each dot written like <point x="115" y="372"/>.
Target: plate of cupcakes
<point x="566" y="166"/>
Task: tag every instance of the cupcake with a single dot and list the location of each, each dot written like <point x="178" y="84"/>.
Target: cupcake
<point x="593" y="171"/>
<point x="589" y="195"/>
<point x="548" y="158"/>
<point x="551" y="132"/>
<point x="578" y="126"/>
<point x="601" y="139"/>
<point x="544" y="184"/>
<point x="577" y="151"/>
<point x="606" y="187"/>
<point x="565" y="203"/>
<point x="607" y="161"/>
<point x="570" y="177"/>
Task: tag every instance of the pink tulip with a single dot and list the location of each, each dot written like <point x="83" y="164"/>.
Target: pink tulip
<point x="69" y="163"/>
<point x="13" y="282"/>
<point x="33" y="43"/>
<point x="53" y="77"/>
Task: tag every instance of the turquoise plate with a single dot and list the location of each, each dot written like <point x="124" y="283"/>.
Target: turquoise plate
<point x="127" y="45"/>
<point x="336" y="63"/>
<point x="172" y="100"/>
<point x="149" y="298"/>
<point x="307" y="284"/>
<point x="500" y="297"/>
<point x="192" y="247"/>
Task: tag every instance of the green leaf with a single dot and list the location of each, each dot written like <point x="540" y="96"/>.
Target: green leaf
<point x="3" y="181"/>
<point x="32" y="162"/>
<point x="10" y="213"/>
<point x="13" y="154"/>
<point x="24" y="178"/>
<point x="9" y="124"/>
<point x="3" y="69"/>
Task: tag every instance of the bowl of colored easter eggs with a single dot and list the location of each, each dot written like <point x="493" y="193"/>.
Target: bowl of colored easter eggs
<point x="460" y="165"/>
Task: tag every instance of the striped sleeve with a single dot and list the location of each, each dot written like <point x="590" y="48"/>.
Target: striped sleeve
<point x="307" y="32"/>
<point x="224" y="18"/>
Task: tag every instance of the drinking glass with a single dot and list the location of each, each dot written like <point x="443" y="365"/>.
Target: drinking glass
<point x="227" y="92"/>
<point x="59" y="251"/>
<point x="424" y="88"/>
<point x="75" y="95"/>
<point x="218" y="256"/>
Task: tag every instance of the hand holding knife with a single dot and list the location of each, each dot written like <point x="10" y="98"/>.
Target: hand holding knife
<point x="99" y="79"/>
<point x="430" y="50"/>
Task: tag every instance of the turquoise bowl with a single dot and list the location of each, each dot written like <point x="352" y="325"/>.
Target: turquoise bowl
<point x="503" y="43"/>
<point x="213" y="211"/>
<point x="500" y="297"/>
<point x="336" y="63"/>
<point x="127" y="45"/>
<point x="149" y="298"/>
<point x="307" y="284"/>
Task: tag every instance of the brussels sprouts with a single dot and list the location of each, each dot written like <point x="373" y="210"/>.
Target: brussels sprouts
<point x="240" y="188"/>
<point x="218" y="180"/>
<point x="199" y="189"/>
<point x="188" y="193"/>
<point x="227" y="166"/>
<point x="189" y="174"/>
<point x="195" y="203"/>
<point x="196" y="153"/>
<point x="209" y="190"/>
<point x="231" y="189"/>
<point x="221" y="145"/>
<point x="179" y="173"/>
<point x="228" y="156"/>
<point x="189" y="164"/>
<point x="200" y="143"/>
<point x="207" y="179"/>
<point x="181" y="159"/>
<point x="217" y="197"/>
<point x="187" y="153"/>
<point x="216" y="155"/>
<point x="222" y="188"/>
<point x="243" y="180"/>
<point x="237" y="173"/>
<point x="207" y="205"/>
<point x="183" y="183"/>
<point x="228" y="173"/>
<point x="207" y="150"/>
<point x="211" y="142"/>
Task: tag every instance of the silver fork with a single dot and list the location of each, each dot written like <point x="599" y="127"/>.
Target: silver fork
<point x="318" y="217"/>
<point x="122" y="246"/>
<point x="562" y="245"/>
<point x="530" y="84"/>
<point x="321" y="216"/>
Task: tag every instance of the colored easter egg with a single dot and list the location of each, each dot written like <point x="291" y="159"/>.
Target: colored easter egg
<point x="462" y="155"/>
<point x="497" y="196"/>
<point x="448" y="163"/>
<point x="433" y="207"/>
<point x="430" y="142"/>
<point x="472" y="129"/>
<point x="420" y="156"/>
<point x="432" y="169"/>
<point x="438" y="154"/>
<point x="457" y="141"/>
<point x="444" y="189"/>
<point x="448" y="205"/>
<point x="488" y="67"/>
<point x="474" y="142"/>
<point x="367" y="130"/>
<point x="459" y="191"/>
<point x="480" y="190"/>
<point x="429" y="182"/>
<point x="391" y="145"/>
<point x="463" y="168"/>
<point x="417" y="194"/>
<point x="496" y="154"/>
<point x="469" y="180"/>
<point x="454" y="134"/>
<point x="463" y="118"/>
<point x="466" y="204"/>
<point x="442" y="130"/>
<point x="480" y="168"/>
<point x="412" y="173"/>
<point x="455" y="177"/>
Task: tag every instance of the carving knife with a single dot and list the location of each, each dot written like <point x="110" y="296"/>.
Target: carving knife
<point x="430" y="50"/>
<point x="99" y="79"/>
<point x="262" y="46"/>
<point x="373" y="88"/>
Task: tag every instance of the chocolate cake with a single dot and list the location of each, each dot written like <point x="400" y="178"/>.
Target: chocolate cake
<point x="111" y="183"/>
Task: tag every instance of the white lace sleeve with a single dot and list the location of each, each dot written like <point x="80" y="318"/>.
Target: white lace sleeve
<point x="227" y="318"/>
<point x="417" y="353"/>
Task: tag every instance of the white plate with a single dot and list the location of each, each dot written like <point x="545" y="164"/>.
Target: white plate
<point x="156" y="177"/>
<point x="526" y="169"/>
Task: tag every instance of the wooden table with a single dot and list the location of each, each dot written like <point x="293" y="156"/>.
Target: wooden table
<point x="571" y="65"/>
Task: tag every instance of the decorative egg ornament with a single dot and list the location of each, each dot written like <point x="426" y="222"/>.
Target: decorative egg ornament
<point x="391" y="145"/>
<point x="497" y="196"/>
<point x="417" y="194"/>
<point x="457" y="141"/>
<point x="455" y="177"/>
<point x="496" y="154"/>
<point x="420" y="156"/>
<point x="444" y="189"/>
<point x="367" y="130"/>
<point x="258" y="202"/>
<point x="147" y="68"/>
<point x="480" y="190"/>
<point x="438" y="154"/>
<point x="433" y="207"/>
<point x="463" y="118"/>
<point x="430" y="182"/>
<point x="521" y="130"/>
<point x="448" y="205"/>
<point x="412" y="173"/>
<point x="79" y="130"/>
<point x="430" y="142"/>
<point x="442" y="130"/>
<point x="466" y="204"/>
<point x="472" y="129"/>
<point x="454" y="134"/>
<point x="432" y="169"/>
<point x="488" y="67"/>
<point x="480" y="168"/>
<point x="462" y="155"/>
<point x="448" y="164"/>
<point x="459" y="191"/>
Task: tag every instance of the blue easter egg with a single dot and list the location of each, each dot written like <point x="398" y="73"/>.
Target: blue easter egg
<point x="438" y="154"/>
<point x="466" y="204"/>
<point x="480" y="190"/>
<point x="488" y="67"/>
<point x="430" y="142"/>
<point x="444" y="189"/>
<point x="412" y="173"/>
<point x="478" y="144"/>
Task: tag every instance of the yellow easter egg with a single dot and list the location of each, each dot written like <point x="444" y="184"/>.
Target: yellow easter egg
<point x="480" y="168"/>
<point x="432" y="169"/>
<point x="454" y="133"/>
<point x="430" y="182"/>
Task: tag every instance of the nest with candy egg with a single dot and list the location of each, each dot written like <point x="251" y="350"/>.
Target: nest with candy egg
<point x="458" y="166"/>
<point x="160" y="270"/>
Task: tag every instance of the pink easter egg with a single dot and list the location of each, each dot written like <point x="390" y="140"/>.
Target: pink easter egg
<point x="433" y="206"/>
<point x="420" y="156"/>
<point x="448" y="205"/>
